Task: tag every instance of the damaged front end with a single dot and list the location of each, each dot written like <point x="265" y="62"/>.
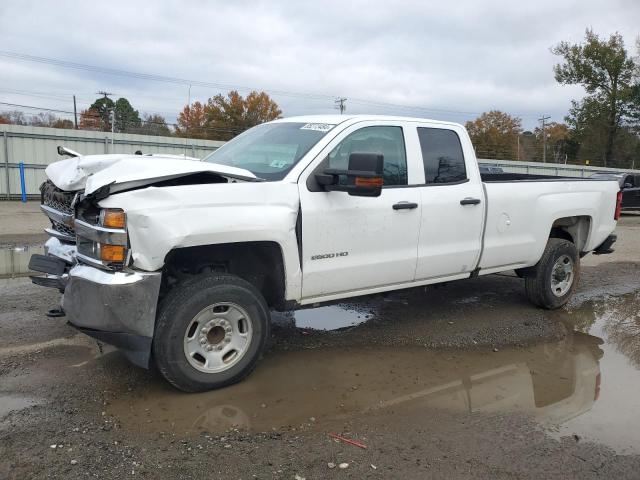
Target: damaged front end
<point x="87" y="258"/>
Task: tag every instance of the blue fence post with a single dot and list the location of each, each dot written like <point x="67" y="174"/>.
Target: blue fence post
<point x="22" y="187"/>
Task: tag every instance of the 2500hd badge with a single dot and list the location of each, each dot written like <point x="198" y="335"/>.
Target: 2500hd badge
<point x="329" y="255"/>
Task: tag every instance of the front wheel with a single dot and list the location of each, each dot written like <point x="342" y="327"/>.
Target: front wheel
<point x="210" y="332"/>
<point x="552" y="281"/>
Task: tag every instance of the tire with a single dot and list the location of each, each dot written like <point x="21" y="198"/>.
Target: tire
<point x="211" y="331"/>
<point x="546" y="289"/>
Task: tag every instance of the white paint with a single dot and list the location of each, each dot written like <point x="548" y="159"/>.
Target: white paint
<point x="385" y="249"/>
<point x="94" y="171"/>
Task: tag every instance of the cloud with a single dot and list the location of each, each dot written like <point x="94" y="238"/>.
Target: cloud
<point x="451" y="59"/>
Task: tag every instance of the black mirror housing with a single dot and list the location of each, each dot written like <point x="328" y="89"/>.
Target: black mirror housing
<point x="364" y="176"/>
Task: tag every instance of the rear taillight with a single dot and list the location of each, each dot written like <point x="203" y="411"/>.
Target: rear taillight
<point x="616" y="215"/>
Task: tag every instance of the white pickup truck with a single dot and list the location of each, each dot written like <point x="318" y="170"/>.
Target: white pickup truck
<point x="180" y="261"/>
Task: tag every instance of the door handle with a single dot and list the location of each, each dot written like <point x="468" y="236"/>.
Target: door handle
<point x="405" y="206"/>
<point x="470" y="201"/>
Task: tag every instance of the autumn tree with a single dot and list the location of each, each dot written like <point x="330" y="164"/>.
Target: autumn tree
<point x="90" y="119"/>
<point x="222" y="118"/>
<point x="494" y="135"/>
<point x="192" y="121"/>
<point x="608" y="74"/>
<point x="557" y="141"/>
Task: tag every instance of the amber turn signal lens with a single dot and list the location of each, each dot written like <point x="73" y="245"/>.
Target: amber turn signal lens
<point x="368" y="181"/>
<point x="112" y="253"/>
<point x="114" y="219"/>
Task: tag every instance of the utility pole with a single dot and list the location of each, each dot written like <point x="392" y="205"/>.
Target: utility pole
<point x="75" y="113"/>
<point x="544" y="138"/>
<point x="105" y="115"/>
<point x="113" y="126"/>
<point x="341" y="104"/>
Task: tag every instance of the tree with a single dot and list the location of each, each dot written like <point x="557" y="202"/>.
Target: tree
<point x="154" y="125"/>
<point x="15" y="117"/>
<point x="102" y="108"/>
<point x="63" y="123"/>
<point x="192" y="121"/>
<point x="126" y="117"/>
<point x="90" y="119"/>
<point x="494" y="135"/>
<point x="558" y="135"/>
<point x="222" y="118"/>
<point x="607" y="73"/>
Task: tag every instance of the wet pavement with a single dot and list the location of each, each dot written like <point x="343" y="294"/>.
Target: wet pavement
<point x="465" y="380"/>
<point x="586" y="384"/>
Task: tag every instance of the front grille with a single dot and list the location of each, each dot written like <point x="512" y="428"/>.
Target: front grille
<point x="53" y="197"/>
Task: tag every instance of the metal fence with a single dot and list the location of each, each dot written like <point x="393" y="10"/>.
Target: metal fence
<point x="35" y="148"/>
<point x="555" y="169"/>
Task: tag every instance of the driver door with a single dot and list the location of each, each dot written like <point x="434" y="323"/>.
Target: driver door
<point x="352" y="243"/>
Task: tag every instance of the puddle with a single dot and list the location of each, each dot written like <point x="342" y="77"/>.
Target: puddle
<point x="15" y="403"/>
<point x="331" y="317"/>
<point x="14" y="261"/>
<point x="587" y="384"/>
<point x="614" y="417"/>
<point x="554" y="382"/>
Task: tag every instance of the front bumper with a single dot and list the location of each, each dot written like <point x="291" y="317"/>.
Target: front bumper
<point x="116" y="307"/>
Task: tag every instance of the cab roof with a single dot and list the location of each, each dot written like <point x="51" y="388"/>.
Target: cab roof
<point x="336" y="119"/>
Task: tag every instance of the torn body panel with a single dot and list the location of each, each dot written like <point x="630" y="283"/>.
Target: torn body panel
<point x="123" y="172"/>
<point x="160" y="220"/>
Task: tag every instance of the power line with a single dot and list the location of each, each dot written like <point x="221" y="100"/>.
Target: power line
<point x="198" y="83"/>
<point x="88" y="114"/>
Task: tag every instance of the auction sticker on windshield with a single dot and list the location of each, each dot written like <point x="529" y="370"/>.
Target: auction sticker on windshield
<point x="319" y="127"/>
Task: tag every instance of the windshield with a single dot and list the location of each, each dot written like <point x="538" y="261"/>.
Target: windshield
<point x="270" y="150"/>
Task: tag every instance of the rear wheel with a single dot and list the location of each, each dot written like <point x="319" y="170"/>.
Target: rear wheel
<point x="551" y="282"/>
<point x="210" y="332"/>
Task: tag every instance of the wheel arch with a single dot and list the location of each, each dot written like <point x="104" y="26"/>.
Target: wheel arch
<point x="260" y="263"/>
<point x="576" y="229"/>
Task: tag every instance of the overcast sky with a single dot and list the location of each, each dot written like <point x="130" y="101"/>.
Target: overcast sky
<point x="452" y="59"/>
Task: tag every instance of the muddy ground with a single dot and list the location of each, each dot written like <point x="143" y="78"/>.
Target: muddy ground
<point x="465" y="380"/>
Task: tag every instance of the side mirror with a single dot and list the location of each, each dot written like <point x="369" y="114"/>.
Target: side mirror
<point x="627" y="185"/>
<point x="67" y="152"/>
<point x="363" y="177"/>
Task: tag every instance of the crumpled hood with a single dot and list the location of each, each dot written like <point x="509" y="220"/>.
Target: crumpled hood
<point x="92" y="172"/>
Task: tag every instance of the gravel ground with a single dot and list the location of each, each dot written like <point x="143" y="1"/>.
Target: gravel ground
<point x="465" y="380"/>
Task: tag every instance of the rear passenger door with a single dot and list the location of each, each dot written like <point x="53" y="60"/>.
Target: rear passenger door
<point x="452" y="200"/>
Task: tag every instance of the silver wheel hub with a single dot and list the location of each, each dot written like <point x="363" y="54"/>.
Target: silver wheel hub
<point x="217" y="337"/>
<point x="562" y="275"/>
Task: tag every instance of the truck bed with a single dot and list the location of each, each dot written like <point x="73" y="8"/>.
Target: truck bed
<point x="531" y="177"/>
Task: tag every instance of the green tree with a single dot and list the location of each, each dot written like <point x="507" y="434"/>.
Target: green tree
<point x="494" y="135"/>
<point x="102" y="107"/>
<point x="126" y="117"/>
<point x="607" y="73"/>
